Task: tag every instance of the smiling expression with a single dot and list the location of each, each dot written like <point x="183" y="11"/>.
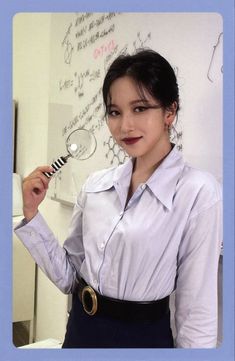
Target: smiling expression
<point x="137" y="121"/>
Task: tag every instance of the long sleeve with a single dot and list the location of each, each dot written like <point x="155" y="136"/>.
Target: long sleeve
<point x="196" y="286"/>
<point x="53" y="259"/>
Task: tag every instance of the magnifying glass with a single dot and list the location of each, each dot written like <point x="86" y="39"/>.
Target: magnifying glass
<point x="81" y="144"/>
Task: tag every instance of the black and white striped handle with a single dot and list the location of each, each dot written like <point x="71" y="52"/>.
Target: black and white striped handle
<point x="57" y="164"/>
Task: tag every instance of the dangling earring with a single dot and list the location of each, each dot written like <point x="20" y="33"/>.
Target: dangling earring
<point x="167" y="127"/>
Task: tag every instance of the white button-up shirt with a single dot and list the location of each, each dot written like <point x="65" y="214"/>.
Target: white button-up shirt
<point x="167" y="237"/>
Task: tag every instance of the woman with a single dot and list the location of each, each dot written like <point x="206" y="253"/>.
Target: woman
<point x="139" y="231"/>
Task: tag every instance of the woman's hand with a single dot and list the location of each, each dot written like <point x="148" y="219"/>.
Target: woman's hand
<point x="34" y="189"/>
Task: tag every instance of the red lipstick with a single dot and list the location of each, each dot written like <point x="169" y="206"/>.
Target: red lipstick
<point x="131" y="140"/>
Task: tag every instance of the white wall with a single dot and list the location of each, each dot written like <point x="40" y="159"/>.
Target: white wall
<point x="31" y="49"/>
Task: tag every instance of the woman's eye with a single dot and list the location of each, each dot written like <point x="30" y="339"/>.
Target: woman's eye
<point x="140" y="109"/>
<point x="113" y="113"/>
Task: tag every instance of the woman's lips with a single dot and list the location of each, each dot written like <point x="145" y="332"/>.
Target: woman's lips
<point x="131" y="140"/>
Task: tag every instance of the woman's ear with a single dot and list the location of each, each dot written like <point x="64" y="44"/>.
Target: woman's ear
<point x="170" y="114"/>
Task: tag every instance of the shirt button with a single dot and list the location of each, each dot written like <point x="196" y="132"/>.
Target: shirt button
<point x="143" y="186"/>
<point x="121" y="214"/>
<point x="102" y="245"/>
<point x="32" y="233"/>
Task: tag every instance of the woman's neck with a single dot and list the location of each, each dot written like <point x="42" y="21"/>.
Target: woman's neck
<point x="146" y="166"/>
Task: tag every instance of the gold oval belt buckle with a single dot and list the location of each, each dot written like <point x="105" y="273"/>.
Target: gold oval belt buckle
<point x="89" y="300"/>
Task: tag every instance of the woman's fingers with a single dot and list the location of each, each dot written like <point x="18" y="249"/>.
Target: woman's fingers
<point x="39" y="173"/>
<point x="34" y="188"/>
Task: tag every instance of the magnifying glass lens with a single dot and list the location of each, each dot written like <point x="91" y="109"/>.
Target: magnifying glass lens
<point x="73" y="147"/>
<point x="81" y="144"/>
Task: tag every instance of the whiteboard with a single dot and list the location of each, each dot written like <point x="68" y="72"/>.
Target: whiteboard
<point x="82" y="47"/>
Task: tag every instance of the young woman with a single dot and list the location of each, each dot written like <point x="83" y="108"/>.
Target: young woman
<point x="139" y="231"/>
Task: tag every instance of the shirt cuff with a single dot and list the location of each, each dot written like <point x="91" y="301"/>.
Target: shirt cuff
<point x="24" y="221"/>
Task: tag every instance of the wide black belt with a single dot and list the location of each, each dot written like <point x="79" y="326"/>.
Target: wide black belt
<point x="96" y="304"/>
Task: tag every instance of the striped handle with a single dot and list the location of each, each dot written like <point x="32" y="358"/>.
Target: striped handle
<point x="56" y="165"/>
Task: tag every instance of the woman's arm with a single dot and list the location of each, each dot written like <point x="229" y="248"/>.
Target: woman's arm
<point x="53" y="259"/>
<point x="196" y="300"/>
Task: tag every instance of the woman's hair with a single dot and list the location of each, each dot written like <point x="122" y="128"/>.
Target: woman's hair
<point x="150" y="71"/>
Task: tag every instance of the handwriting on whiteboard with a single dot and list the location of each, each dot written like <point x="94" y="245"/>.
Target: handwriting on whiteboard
<point x="214" y="60"/>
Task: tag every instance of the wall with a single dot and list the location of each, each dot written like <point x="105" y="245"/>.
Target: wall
<point x="31" y="60"/>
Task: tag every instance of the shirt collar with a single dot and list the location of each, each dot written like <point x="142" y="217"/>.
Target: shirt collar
<point x="162" y="182"/>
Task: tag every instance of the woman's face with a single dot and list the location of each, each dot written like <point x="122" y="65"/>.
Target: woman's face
<point x="139" y="126"/>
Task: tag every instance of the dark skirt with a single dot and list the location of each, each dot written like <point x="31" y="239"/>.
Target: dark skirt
<point x="85" y="331"/>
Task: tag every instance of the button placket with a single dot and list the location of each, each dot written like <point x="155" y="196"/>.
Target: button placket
<point x="104" y="243"/>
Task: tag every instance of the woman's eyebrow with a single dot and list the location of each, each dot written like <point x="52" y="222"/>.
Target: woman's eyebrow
<point x="133" y="102"/>
<point x="111" y="105"/>
<point x="144" y="101"/>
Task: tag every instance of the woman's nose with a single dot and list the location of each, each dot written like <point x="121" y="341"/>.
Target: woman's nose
<point x="127" y="123"/>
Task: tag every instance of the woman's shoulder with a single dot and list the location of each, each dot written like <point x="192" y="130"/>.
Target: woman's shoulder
<point x="199" y="176"/>
<point x="105" y="178"/>
<point x="201" y="183"/>
<point x="100" y="180"/>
